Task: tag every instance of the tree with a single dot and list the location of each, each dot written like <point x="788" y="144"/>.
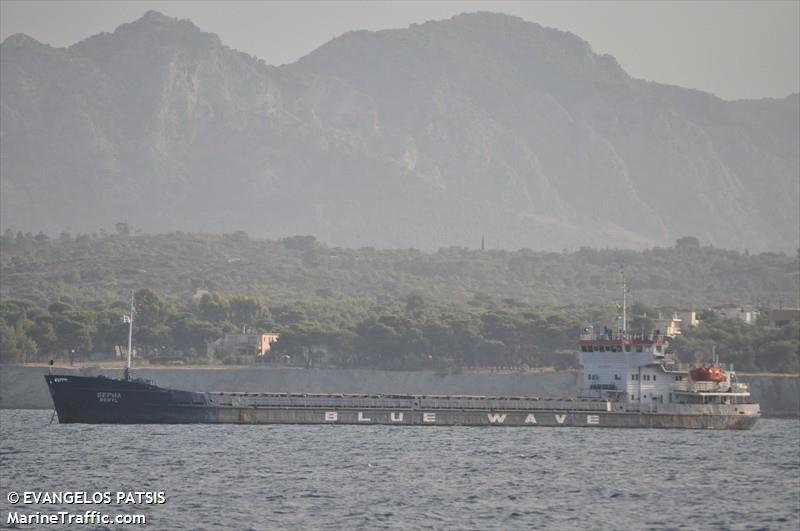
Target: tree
<point x="687" y="242"/>
<point x="415" y="302"/>
<point x="781" y="356"/>
<point x="640" y="318"/>
<point x="150" y="308"/>
<point x="491" y="351"/>
<point x="122" y="228"/>
<point x="248" y="311"/>
<point x="214" y="307"/>
<point x="15" y="346"/>
<point x="73" y="332"/>
<point x="300" y="243"/>
<point x="43" y="334"/>
<point x="112" y="331"/>
<point x="190" y="334"/>
<point x="7" y="240"/>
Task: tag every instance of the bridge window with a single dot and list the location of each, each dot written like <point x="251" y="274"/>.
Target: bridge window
<point x="654" y="377"/>
<point x="627" y="348"/>
<point x="639" y="348"/>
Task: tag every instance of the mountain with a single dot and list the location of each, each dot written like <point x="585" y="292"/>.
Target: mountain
<point x="427" y="136"/>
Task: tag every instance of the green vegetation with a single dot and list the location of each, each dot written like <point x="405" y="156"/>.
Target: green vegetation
<point x="405" y="333"/>
<point x="86" y="269"/>
<point x="748" y="347"/>
<point x="399" y="309"/>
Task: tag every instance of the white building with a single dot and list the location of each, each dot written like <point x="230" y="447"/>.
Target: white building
<point x="744" y="313"/>
<point x="688" y="318"/>
<point x="668" y="326"/>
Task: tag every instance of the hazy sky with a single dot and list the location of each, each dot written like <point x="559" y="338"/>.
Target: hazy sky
<point x="732" y="49"/>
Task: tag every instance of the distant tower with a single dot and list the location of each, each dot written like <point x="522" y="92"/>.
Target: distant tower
<point x="483" y="243"/>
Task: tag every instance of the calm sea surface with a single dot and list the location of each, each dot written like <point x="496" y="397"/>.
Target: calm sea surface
<point x="374" y="477"/>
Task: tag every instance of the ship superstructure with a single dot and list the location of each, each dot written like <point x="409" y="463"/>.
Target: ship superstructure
<point x="639" y="372"/>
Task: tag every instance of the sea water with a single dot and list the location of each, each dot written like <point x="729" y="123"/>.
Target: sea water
<point x="390" y="477"/>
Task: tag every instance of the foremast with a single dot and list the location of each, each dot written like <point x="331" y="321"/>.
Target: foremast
<point x="129" y="319"/>
<point x="624" y="303"/>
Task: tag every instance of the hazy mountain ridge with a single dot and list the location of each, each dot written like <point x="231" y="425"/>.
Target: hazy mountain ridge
<point x="425" y="136"/>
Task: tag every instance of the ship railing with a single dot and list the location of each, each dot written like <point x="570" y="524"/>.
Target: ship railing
<point x="616" y="336"/>
<point x="420" y="402"/>
<point x="638" y="408"/>
<point x="682" y="366"/>
<point x="680" y="386"/>
<point x="727" y="367"/>
<point x="676" y="366"/>
<point x="708" y="387"/>
<point x="704" y="386"/>
<point x="739" y="387"/>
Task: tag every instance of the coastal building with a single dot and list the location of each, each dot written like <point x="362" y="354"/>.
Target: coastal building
<point x="688" y="318"/>
<point x="258" y="344"/>
<point x="744" y="313"/>
<point x="782" y="316"/>
<point x="668" y="326"/>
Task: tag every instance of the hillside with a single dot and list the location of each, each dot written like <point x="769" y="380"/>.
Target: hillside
<point x="400" y="309"/>
<point x="101" y="268"/>
<point x="424" y="137"/>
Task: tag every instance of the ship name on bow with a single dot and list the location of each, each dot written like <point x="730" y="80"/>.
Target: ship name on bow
<point x="104" y="396"/>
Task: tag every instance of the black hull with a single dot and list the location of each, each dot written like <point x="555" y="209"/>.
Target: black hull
<point x="100" y="400"/>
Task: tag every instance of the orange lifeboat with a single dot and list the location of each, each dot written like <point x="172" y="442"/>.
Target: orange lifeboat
<point x="708" y="374"/>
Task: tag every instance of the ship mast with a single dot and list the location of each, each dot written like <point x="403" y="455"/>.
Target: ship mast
<point x="130" y="341"/>
<point x="624" y="303"/>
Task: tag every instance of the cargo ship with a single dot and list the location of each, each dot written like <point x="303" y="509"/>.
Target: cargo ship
<point x="629" y="381"/>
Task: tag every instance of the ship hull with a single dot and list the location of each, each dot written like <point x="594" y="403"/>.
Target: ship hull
<point x="94" y="400"/>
